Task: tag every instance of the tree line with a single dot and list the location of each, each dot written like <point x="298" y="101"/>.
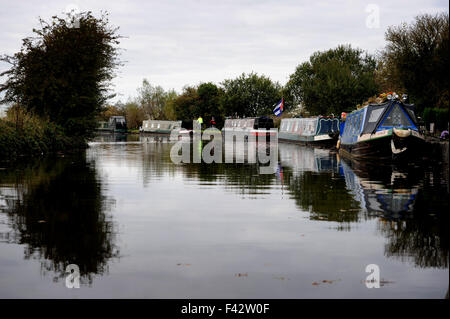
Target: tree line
<point x="245" y="96"/>
<point x="63" y="75"/>
<point x="414" y="61"/>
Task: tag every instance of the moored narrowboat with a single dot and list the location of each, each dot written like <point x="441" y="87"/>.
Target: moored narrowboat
<point x="252" y="126"/>
<point x="314" y="131"/>
<point x="117" y="124"/>
<point x="381" y="131"/>
<point x="103" y="126"/>
<point x="160" y="127"/>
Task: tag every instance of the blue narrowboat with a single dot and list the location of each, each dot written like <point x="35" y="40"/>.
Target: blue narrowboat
<point x="381" y="131"/>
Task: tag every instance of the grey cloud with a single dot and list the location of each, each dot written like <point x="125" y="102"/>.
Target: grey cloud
<point x="174" y="43"/>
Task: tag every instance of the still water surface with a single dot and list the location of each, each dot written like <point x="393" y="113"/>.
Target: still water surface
<point x="139" y="226"/>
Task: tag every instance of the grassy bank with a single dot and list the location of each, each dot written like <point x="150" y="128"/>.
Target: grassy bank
<point x="34" y="137"/>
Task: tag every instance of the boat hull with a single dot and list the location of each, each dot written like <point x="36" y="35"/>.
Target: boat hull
<point x="389" y="146"/>
<point x="324" y="140"/>
<point x="156" y="131"/>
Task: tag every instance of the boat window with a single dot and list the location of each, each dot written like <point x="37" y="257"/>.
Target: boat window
<point x="356" y="124"/>
<point x="360" y="124"/>
<point x="348" y="127"/>
<point x="396" y="117"/>
<point x="352" y="124"/>
<point x="375" y="115"/>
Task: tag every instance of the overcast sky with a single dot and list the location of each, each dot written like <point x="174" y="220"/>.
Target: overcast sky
<point x="175" y="43"/>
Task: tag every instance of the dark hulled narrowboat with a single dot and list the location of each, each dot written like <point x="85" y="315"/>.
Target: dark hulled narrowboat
<point x="117" y="124"/>
<point x="381" y="131"/>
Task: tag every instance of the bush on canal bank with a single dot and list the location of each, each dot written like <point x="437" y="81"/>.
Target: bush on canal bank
<point x="438" y="116"/>
<point x="34" y="137"/>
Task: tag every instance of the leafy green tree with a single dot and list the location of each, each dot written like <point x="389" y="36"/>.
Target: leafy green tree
<point x="111" y="110"/>
<point x="203" y="100"/>
<point x="416" y="57"/>
<point x="249" y="95"/>
<point x="185" y="104"/>
<point x="134" y="114"/>
<point x="169" y="106"/>
<point x="64" y="72"/>
<point x="152" y="99"/>
<point x="208" y="104"/>
<point x="333" y="81"/>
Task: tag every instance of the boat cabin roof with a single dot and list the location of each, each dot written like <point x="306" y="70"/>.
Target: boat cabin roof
<point x="161" y="124"/>
<point x="377" y="117"/>
<point x="309" y="126"/>
<point x="261" y="122"/>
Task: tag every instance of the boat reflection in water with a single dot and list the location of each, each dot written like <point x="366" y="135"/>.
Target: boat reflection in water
<point x="385" y="192"/>
<point x="57" y="211"/>
<point x="406" y="202"/>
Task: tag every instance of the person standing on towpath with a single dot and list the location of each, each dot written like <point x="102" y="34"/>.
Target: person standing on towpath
<point x="200" y="121"/>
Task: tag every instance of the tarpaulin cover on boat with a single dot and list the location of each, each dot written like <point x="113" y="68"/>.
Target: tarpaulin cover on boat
<point x="327" y="126"/>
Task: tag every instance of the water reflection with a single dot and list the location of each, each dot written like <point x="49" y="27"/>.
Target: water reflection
<point x="312" y="178"/>
<point x="410" y="204"/>
<point x="189" y="228"/>
<point x="56" y="209"/>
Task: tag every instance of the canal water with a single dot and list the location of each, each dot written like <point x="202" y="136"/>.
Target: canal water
<point x="139" y="226"/>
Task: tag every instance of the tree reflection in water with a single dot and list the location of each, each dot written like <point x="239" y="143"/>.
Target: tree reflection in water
<point x="59" y="214"/>
<point x="312" y="178"/>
